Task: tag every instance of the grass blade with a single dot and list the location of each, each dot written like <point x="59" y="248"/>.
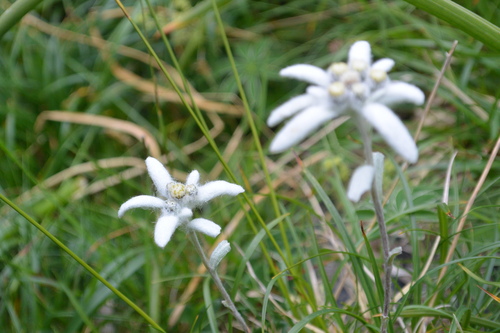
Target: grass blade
<point x="81" y="262"/>
<point x="463" y="19"/>
<point x="15" y="13"/>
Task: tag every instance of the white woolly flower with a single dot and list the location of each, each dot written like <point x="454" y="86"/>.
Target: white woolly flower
<point x="176" y="200"/>
<point x="358" y="86"/>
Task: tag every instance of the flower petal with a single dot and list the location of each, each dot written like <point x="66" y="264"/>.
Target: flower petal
<point x="185" y="213"/>
<point x="193" y="178"/>
<point x="360" y="52"/>
<point x="300" y="126"/>
<point x="391" y="129"/>
<point x="398" y="92"/>
<point x="216" y="188"/>
<point x="308" y="73"/>
<point x="141" y="201"/>
<point x="289" y="108"/>
<point x="204" y="226"/>
<point x="384" y="64"/>
<point x="219" y="253"/>
<point x="361" y="182"/>
<point x="318" y="92"/>
<point x="165" y="228"/>
<point x="159" y="175"/>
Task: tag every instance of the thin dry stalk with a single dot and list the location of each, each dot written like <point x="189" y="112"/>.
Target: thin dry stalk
<point x="163" y="93"/>
<point x="231" y="147"/>
<point x="273" y="300"/>
<point x="440" y="77"/>
<point x="456" y="91"/>
<point x="446" y="190"/>
<point x="468" y="207"/>
<point x="136" y="131"/>
<point x="202" y="142"/>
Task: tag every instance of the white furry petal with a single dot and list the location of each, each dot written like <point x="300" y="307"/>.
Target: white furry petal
<point x="384" y="64"/>
<point x="360" y="52"/>
<point x="219" y="253"/>
<point x="307" y="73"/>
<point x="185" y="213"/>
<point x="141" y="201"/>
<point x="300" y="126"/>
<point x="398" y="92"/>
<point x="165" y="228"/>
<point x="193" y="178"/>
<point x="289" y="108"/>
<point x="361" y="182"/>
<point x="205" y="226"/>
<point x="391" y="129"/>
<point x="217" y="188"/>
<point x="318" y="92"/>
<point x="159" y="175"/>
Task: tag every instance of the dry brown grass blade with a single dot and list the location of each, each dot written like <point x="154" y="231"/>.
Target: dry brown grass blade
<point x="480" y="112"/>
<point x="108" y="182"/>
<point x="494" y="297"/>
<point x="137" y="164"/>
<point x="201" y="142"/>
<point x="468" y="207"/>
<point x="170" y="95"/>
<point x="139" y="170"/>
<point x="102" y="45"/>
<point x="108" y="47"/>
<point x="432" y="96"/>
<point x="231" y="147"/>
<point x="76" y="170"/>
<point x="310" y="18"/>
<point x="108" y="163"/>
<point x="136" y="131"/>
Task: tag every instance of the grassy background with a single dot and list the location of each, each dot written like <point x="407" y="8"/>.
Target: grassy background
<point x="85" y="58"/>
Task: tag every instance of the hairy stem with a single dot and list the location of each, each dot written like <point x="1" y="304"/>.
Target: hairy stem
<point x="215" y="277"/>
<point x="379" y="212"/>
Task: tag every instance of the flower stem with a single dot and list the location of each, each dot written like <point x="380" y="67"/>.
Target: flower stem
<point x="379" y="212"/>
<point x="215" y="277"/>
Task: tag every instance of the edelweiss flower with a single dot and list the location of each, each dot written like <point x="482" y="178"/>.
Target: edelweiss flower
<point x="176" y="201"/>
<point x="357" y="86"/>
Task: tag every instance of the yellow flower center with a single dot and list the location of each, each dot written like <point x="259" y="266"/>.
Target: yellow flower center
<point x="359" y="89"/>
<point x="338" y="68"/>
<point x="378" y="75"/>
<point x="359" y="65"/>
<point x="336" y="89"/>
<point x="177" y="190"/>
<point x="191" y="189"/>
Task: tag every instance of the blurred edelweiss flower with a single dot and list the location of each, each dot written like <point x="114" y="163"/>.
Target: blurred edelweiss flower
<point x="358" y="86"/>
<point x="176" y="201"/>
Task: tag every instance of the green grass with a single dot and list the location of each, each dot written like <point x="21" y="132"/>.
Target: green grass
<point x="299" y="259"/>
